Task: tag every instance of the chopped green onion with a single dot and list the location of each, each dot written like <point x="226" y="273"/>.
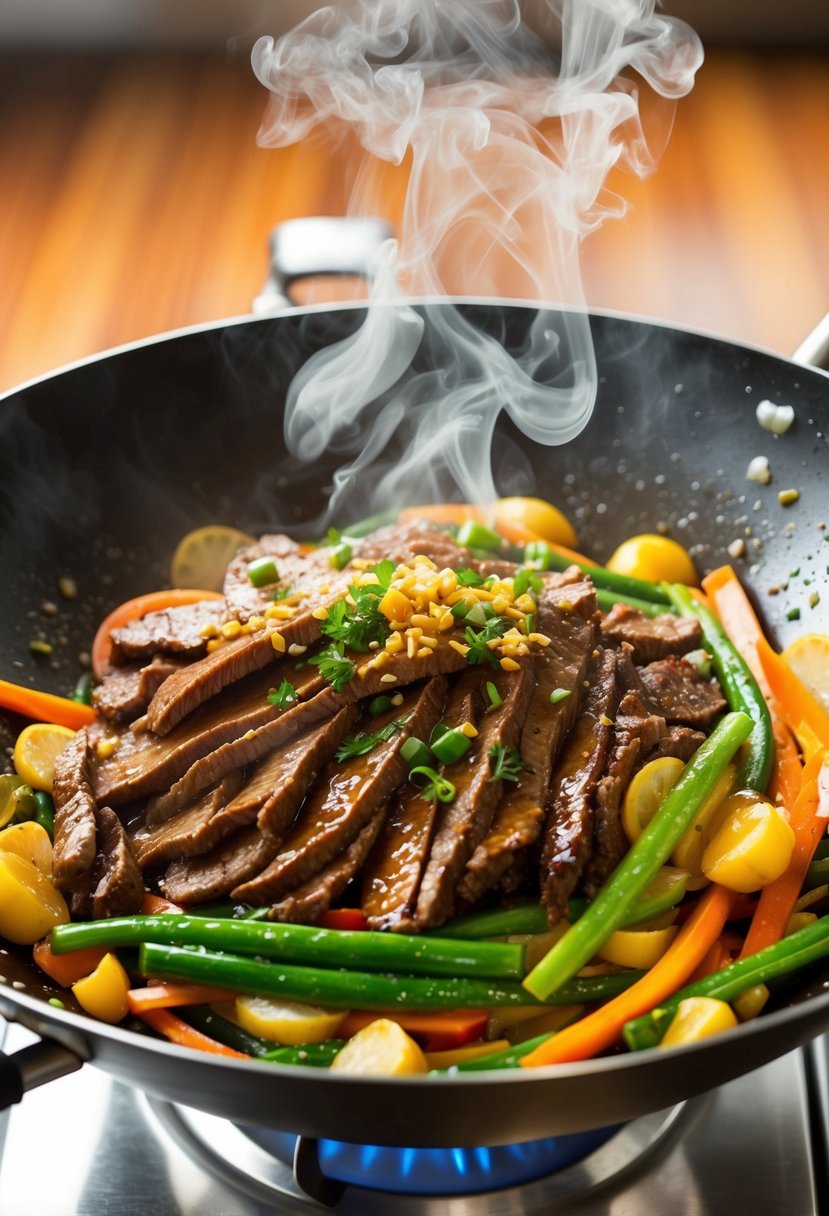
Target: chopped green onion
<point x="479" y="614"/>
<point x="414" y="753"/>
<point x="538" y="555"/>
<point x="529" y="623"/>
<point x="83" y="689"/>
<point x="45" y="811"/>
<point x="379" y="705"/>
<point x="527" y="579"/>
<point x="262" y="572"/>
<point x="459" y="610"/>
<point x="436" y="786"/>
<point x="495" y="698"/>
<point x="452" y="745"/>
<point x="440" y="728"/>
<point x="476" y="536"/>
<point x="38" y="646"/>
<point x="506" y="762"/>
<point x="340" y="555"/>
<point x="559" y="694"/>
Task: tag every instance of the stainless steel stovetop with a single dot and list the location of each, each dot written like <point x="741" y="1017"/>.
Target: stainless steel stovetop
<point x="89" y="1146"/>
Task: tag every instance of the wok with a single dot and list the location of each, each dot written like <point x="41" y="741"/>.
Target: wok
<point x="105" y="465"/>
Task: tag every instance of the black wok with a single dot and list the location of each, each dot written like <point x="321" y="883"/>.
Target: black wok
<point x="105" y="465"/>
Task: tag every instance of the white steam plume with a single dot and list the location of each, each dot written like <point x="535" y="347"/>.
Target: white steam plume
<point x="510" y="142"/>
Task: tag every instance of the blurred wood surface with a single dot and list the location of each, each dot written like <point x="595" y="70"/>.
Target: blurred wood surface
<point x="135" y="200"/>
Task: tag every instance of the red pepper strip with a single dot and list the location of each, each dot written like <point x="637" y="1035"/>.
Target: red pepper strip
<point x="602" y="1028"/>
<point x="178" y="1031"/>
<point x="168" y="996"/>
<point x="45" y="706"/>
<point x="808" y="819"/>
<point x="441" y="1030"/>
<point x="343" y="918"/>
<point x="738" y="619"/>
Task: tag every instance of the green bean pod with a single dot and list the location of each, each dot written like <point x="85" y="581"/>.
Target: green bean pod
<point x="341" y="989"/>
<point x="741" y="690"/>
<point x="790" y="954"/>
<point x="625" y="586"/>
<point x="640" y="864"/>
<point x="305" y="944"/>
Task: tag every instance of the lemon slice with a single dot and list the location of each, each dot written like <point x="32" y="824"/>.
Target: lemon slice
<point x="646" y="793"/>
<point x="31" y="841"/>
<point x="290" y="1022"/>
<point x="36" y="750"/>
<point x="202" y="556"/>
<point x="808" y="657"/>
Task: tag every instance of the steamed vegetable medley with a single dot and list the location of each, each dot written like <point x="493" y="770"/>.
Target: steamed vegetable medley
<point x="436" y="794"/>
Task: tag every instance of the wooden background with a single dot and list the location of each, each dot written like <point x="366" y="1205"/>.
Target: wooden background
<point x="134" y="200"/>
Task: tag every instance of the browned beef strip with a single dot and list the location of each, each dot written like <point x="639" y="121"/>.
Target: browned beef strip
<point x="144" y="763"/>
<point x="292" y="565"/>
<point x="573" y="634"/>
<point x="125" y="692"/>
<point x="175" y="631"/>
<point x="636" y="732"/>
<point x="678" y="692"/>
<point x="568" y="832"/>
<point x="652" y="637"/>
<point x="347" y="796"/>
<point x="120" y="887"/>
<point x="464" y="822"/>
<point x="193" y="831"/>
<point x="279" y="784"/>
<point x="402" y="542"/>
<point x="75" y="822"/>
<point x="392" y="873"/>
<point x="307" y="903"/>
<point x="679" y="741"/>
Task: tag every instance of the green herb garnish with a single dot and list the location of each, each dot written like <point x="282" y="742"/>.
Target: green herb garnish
<point x="477" y="640"/>
<point x="506" y="762"/>
<point x="469" y="578"/>
<point x="334" y="666"/>
<point x="358" y="626"/>
<point x="559" y="694"/>
<point x="365" y="741"/>
<point x="495" y="698"/>
<point x="283" y="696"/>
<point x="435" y="787"/>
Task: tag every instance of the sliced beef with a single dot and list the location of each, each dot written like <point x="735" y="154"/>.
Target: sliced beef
<point x="144" y="763"/>
<point x="347" y="797"/>
<point x="679" y="741"/>
<point x="464" y="822"/>
<point x="193" y="831"/>
<point x="119" y="890"/>
<point x="652" y="637"/>
<point x="125" y="692"/>
<point x="420" y="537"/>
<point x="568" y="831"/>
<point x="678" y="692"/>
<point x="636" y="732"/>
<point x="276" y="789"/>
<point x="178" y="631"/>
<point x="573" y="633"/>
<point x="306" y="904"/>
<point x="75" y="813"/>
<point x="293" y="569"/>
<point x="391" y="876"/>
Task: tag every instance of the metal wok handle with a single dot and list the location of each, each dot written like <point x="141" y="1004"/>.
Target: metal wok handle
<point x="37" y="1064"/>
<point x="813" y="351"/>
<point x="319" y="245"/>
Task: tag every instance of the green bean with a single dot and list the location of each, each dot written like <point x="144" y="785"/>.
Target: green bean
<point x="742" y="691"/>
<point x="312" y="1055"/>
<point x="790" y="954"/>
<point x="818" y="873"/>
<point x="509" y="1057"/>
<point x="637" y="589"/>
<point x="409" y="953"/>
<point x="45" y="811"/>
<point x="371" y="524"/>
<point x="83" y="689"/>
<point x="608" y="599"/>
<point x="639" y="866"/>
<point x="203" y="1018"/>
<point x="340" y="989"/>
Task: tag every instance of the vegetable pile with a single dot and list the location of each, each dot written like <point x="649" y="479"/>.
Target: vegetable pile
<point x="499" y="806"/>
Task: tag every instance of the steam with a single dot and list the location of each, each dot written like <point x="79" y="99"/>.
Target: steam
<point x="511" y="133"/>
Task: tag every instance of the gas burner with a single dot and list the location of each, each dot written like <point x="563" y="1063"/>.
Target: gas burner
<point x="293" y="1173"/>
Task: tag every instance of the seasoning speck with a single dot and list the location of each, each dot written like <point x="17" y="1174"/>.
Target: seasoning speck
<point x="814" y="599"/>
<point x="737" y="548"/>
<point x="787" y="497"/>
<point x="759" y="471"/>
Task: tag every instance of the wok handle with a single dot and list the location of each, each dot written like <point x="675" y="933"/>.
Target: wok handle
<point x="34" y="1065"/>
<point x="319" y="245"/>
<point x="813" y="351"/>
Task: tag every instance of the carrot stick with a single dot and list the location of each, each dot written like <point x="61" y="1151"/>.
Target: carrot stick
<point x="178" y="1031"/>
<point x="733" y="607"/>
<point x="715" y="960"/>
<point x="44" y="706"/>
<point x="796" y="702"/>
<point x="808" y="821"/>
<point x="602" y="1028"/>
<point x="168" y="996"/>
<point x="67" y="969"/>
<point x="449" y="1028"/>
<point x="157" y="905"/>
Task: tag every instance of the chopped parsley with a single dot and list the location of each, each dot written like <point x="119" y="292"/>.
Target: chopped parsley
<point x="506" y="762"/>
<point x="283" y="696"/>
<point x="469" y="578"/>
<point x="334" y="666"/>
<point x="365" y="741"/>
<point x="477" y="639"/>
<point x="358" y="626"/>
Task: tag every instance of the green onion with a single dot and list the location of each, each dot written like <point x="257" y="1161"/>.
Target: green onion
<point x="262" y="572"/>
<point x="83" y="689"/>
<point x="538" y="555"/>
<point x="435" y="786"/>
<point x="474" y="535"/>
<point x="379" y="705"/>
<point x="608" y="599"/>
<point x="644" y="858"/>
<point x="45" y="815"/>
<point x="495" y="698"/>
<point x="560" y="694"/>
<point x="451" y="745"/>
<point x="526" y="580"/>
<point x="415" y="753"/>
<point x="340" y="555"/>
<point x="478" y="614"/>
<point x="460" y="610"/>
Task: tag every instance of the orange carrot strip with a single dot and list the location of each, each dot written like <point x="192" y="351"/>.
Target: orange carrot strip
<point x="178" y="1031"/>
<point x="133" y="610"/>
<point x="169" y="996"/>
<point x="157" y="905"/>
<point x="44" y="706"/>
<point x="715" y="960"/>
<point x="67" y="969"/>
<point x="733" y="607"/>
<point x="450" y="1027"/>
<point x="602" y="1028"/>
<point x="443" y="513"/>
<point x="796" y="702"/>
<point x="777" y="900"/>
